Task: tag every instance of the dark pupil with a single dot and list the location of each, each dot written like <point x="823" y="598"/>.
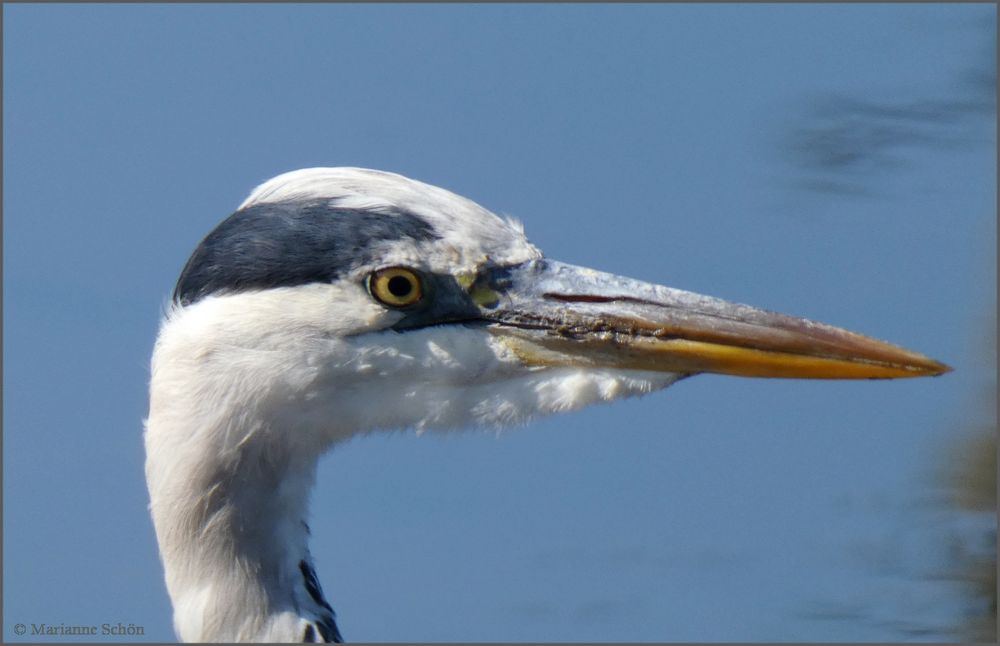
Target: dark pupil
<point x="399" y="286"/>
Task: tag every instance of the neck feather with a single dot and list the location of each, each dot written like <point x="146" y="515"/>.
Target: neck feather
<point x="233" y="538"/>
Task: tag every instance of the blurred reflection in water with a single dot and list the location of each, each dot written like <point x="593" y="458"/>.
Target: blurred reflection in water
<point x="970" y="479"/>
<point x="849" y="145"/>
<point x="938" y="562"/>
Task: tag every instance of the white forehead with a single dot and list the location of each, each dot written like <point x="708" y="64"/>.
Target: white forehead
<point x="468" y="229"/>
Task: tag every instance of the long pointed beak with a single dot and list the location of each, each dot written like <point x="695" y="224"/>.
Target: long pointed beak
<point x="550" y="313"/>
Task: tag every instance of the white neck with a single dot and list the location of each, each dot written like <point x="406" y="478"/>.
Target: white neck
<point x="229" y="476"/>
<point x="233" y="540"/>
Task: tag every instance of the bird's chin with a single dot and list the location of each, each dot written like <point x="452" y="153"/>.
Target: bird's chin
<point x="535" y="381"/>
<point x="540" y="392"/>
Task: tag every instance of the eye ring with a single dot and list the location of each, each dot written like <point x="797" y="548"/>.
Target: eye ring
<point x="396" y="286"/>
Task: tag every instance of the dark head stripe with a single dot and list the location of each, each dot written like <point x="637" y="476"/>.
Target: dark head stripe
<point x="284" y="244"/>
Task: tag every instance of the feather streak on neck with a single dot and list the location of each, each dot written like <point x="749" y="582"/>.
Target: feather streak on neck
<point x="233" y="539"/>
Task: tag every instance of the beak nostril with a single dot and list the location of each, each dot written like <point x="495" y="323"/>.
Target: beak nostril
<point x="585" y="298"/>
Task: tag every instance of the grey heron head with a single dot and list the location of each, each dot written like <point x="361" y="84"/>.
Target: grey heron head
<point x="338" y="301"/>
<point x="412" y="306"/>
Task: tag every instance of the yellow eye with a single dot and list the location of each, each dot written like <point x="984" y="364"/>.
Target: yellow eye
<point x="395" y="287"/>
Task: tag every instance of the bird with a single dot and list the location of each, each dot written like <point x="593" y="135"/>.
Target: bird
<point x="336" y="302"/>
